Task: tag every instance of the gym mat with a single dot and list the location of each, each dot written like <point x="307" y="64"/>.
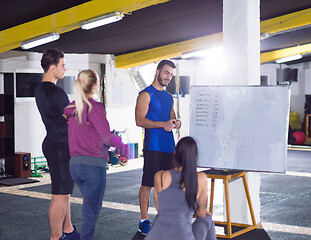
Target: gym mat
<point x="16" y="181"/>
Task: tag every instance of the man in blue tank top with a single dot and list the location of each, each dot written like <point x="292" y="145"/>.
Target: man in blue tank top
<point x="155" y="112"/>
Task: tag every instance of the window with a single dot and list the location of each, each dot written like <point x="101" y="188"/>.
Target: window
<point x="26" y="84"/>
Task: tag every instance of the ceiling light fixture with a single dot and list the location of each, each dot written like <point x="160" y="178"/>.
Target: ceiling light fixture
<point x="40" y="40"/>
<point x="205" y="53"/>
<point x="289" y="58"/>
<point x="264" y="35"/>
<point x="110" y="18"/>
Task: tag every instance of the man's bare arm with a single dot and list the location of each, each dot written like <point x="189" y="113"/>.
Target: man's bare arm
<point x="141" y="110"/>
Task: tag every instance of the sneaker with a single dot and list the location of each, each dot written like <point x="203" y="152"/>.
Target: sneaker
<point x="74" y="235"/>
<point x="144" y="227"/>
<point x="63" y="237"/>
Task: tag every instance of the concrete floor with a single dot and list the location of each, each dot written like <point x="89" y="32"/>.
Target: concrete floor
<point x="285" y="204"/>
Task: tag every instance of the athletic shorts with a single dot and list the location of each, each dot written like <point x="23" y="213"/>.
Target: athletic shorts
<point x="153" y="162"/>
<point x="58" y="157"/>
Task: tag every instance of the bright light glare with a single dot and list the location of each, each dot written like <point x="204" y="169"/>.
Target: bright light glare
<point x="148" y="72"/>
<point x="205" y="53"/>
<point x="216" y="67"/>
<point x="213" y="59"/>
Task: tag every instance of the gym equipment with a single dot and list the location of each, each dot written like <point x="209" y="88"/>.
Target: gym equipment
<point x="114" y="158"/>
<point x="122" y="161"/>
<point x="22" y="164"/>
<point x="300" y="137"/>
<point x="40" y="164"/>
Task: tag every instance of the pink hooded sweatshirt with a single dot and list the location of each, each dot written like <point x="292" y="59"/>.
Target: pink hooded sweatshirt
<point x="93" y="136"/>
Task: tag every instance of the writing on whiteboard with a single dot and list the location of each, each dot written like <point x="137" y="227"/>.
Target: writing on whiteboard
<point x="206" y="110"/>
<point x="240" y="127"/>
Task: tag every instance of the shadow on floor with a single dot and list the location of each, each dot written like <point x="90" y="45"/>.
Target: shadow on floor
<point x="138" y="236"/>
<point x="256" y="234"/>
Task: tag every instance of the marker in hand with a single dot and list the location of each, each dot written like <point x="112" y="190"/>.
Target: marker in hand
<point x="177" y="123"/>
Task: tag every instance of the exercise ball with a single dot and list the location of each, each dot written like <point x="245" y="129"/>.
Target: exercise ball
<point x="300" y="137"/>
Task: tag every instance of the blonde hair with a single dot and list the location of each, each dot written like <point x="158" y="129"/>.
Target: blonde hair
<point x="83" y="86"/>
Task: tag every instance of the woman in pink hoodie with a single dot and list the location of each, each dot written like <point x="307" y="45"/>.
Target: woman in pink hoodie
<point x="89" y="140"/>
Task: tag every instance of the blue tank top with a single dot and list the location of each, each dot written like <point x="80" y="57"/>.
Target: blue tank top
<point x="160" y="106"/>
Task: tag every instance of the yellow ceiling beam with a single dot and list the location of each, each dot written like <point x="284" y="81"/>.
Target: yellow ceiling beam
<point x="214" y="40"/>
<point x="168" y="51"/>
<point x="285" y="22"/>
<point x="68" y="20"/>
<point x="273" y="55"/>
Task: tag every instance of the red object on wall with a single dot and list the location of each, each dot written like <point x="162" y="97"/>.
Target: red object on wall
<point x="300" y="137"/>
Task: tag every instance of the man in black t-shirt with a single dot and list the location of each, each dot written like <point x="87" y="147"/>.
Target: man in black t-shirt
<point x="51" y="101"/>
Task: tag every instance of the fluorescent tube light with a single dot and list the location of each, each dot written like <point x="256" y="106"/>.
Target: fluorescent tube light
<point x="205" y="53"/>
<point x="289" y="58"/>
<point x="40" y="40"/>
<point x="110" y="18"/>
<point x="264" y="35"/>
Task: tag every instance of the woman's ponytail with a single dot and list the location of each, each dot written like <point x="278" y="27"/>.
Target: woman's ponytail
<point x="83" y="85"/>
<point x="186" y="154"/>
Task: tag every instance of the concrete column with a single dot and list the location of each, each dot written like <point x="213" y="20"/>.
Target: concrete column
<point x="241" y="43"/>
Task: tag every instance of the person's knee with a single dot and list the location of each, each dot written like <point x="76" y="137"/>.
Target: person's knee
<point x="145" y="189"/>
<point x="61" y="199"/>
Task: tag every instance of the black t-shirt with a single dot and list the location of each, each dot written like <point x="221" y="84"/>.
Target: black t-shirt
<point x="51" y="102"/>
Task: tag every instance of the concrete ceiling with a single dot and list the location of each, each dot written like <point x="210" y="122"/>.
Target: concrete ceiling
<point x="150" y="29"/>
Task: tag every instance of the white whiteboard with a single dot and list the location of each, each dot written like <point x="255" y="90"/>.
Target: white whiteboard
<point x="241" y="127"/>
